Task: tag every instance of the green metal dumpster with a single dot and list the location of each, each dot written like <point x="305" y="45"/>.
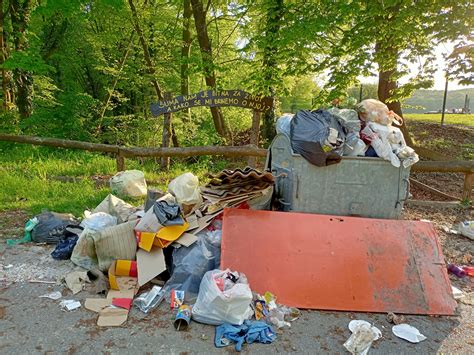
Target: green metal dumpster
<point x="357" y="186"/>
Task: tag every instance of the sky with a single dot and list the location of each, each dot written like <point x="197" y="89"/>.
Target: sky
<point x="443" y="48"/>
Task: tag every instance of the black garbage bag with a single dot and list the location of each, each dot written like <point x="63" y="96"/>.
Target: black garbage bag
<point x="51" y="227"/>
<point x="168" y="214"/>
<point x="64" y="248"/>
<point x="317" y="136"/>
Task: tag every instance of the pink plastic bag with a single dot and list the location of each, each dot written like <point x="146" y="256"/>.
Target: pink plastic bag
<point x="377" y="111"/>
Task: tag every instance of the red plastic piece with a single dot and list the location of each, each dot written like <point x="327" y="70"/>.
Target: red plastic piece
<point x="339" y="263"/>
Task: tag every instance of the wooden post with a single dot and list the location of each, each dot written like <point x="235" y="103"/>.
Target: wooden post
<point x="444" y="100"/>
<point x="468" y="185"/>
<point x="254" y="135"/>
<point x="120" y="159"/>
<point x="166" y="137"/>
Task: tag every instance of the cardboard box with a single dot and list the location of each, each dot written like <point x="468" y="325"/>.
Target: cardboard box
<point x="123" y="275"/>
<point x="162" y="238"/>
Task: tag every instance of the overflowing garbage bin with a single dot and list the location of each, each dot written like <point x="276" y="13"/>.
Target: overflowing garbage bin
<point x="356" y="186"/>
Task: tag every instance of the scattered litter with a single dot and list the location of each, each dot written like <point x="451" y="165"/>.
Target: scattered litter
<point x="456" y="270"/>
<point x="177" y="299"/>
<point x="7" y="267"/>
<point x="76" y="281"/>
<point x="395" y="319"/>
<point x="449" y="230"/>
<point x="363" y="335"/>
<point x="468" y="270"/>
<point x="468" y="298"/>
<point x="70" y="305"/>
<point x="466" y="229"/>
<point x="457" y="293"/>
<point x="224" y="297"/>
<point x="42" y="282"/>
<point x="125" y="303"/>
<point x="98" y="221"/>
<point x="408" y="332"/>
<point x="56" y="295"/>
<point x="29" y="225"/>
<point x="149" y="300"/>
<point x="249" y="332"/>
<point x="64" y="248"/>
<point x="128" y="183"/>
<point x="183" y="317"/>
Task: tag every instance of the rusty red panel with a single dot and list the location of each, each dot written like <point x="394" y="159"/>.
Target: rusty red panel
<point x="339" y="263"/>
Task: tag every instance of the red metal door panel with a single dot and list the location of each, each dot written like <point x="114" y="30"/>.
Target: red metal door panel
<point x="339" y="263"/>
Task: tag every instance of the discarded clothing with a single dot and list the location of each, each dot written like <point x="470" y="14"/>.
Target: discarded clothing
<point x="168" y="214"/>
<point x="64" y="248"/>
<point x="249" y="332"/>
<point x="317" y="136"/>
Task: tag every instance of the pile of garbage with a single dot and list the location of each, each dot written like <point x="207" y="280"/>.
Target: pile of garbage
<point x="322" y="137"/>
<point x="168" y="251"/>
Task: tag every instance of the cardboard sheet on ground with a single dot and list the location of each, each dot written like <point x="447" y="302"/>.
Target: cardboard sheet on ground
<point x="339" y="263"/>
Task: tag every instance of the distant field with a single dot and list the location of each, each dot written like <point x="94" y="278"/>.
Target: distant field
<point x="466" y="120"/>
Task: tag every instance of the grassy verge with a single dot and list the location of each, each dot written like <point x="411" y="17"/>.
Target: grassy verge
<point x="28" y="177"/>
<point x="457" y="119"/>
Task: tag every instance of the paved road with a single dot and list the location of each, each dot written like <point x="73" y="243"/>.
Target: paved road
<point x="29" y="324"/>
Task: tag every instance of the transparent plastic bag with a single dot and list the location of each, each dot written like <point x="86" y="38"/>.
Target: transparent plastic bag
<point x="128" y="183"/>
<point x="283" y="124"/>
<point x="215" y="307"/>
<point x="98" y="221"/>
<point x="376" y="111"/>
<point x="191" y="263"/>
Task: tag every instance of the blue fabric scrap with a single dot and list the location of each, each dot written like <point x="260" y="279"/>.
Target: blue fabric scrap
<point x="250" y="332"/>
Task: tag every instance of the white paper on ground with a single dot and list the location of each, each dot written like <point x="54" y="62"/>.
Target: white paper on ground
<point x="408" y="332"/>
<point x="70" y="305"/>
<point x="457" y="293"/>
<point x="56" y="295"/>
<point x="363" y="334"/>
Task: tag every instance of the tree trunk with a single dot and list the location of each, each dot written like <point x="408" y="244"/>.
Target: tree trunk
<point x="254" y="135"/>
<point x="165" y="138"/>
<point x="185" y="53"/>
<point x="208" y="65"/>
<point x="385" y="90"/>
<point x="20" y="17"/>
<point x="148" y="60"/>
<point x="2" y="60"/>
<point x="146" y="51"/>
<point x="273" y="23"/>
<point x="114" y="82"/>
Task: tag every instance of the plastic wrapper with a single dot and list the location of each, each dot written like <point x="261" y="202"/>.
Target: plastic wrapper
<point x="186" y="189"/>
<point x="149" y="300"/>
<point x="363" y="335"/>
<point x="98" y="221"/>
<point x="317" y="136"/>
<point x="191" y="263"/>
<point x="348" y="118"/>
<point x="354" y="146"/>
<point x="283" y="124"/>
<point x="215" y="306"/>
<point x="116" y="207"/>
<point x="372" y="110"/>
<point x="128" y="183"/>
<point x="51" y="227"/>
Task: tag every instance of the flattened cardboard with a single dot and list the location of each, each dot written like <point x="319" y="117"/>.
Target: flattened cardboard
<point x="97" y="304"/>
<point x="150" y="264"/>
<point x="187" y="239"/>
<point x="164" y="237"/>
<point x="193" y="223"/>
<point x="112" y="317"/>
<point x="121" y="294"/>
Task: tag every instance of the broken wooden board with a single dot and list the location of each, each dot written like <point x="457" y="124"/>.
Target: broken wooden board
<point x="339" y="263"/>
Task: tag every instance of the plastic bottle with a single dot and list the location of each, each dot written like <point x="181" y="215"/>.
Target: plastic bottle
<point x="456" y="270"/>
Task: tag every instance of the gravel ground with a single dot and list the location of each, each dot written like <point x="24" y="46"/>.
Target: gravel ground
<point x="30" y="324"/>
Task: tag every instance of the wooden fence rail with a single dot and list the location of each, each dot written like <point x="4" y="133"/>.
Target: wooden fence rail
<point x="121" y="152"/>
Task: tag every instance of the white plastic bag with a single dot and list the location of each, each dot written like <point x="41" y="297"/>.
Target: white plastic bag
<point x="128" y="183"/>
<point x="466" y="229"/>
<point x="408" y="332"/>
<point x="186" y="189"/>
<point x="216" y="307"/>
<point x="98" y="221"/>
<point x="363" y="335"/>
